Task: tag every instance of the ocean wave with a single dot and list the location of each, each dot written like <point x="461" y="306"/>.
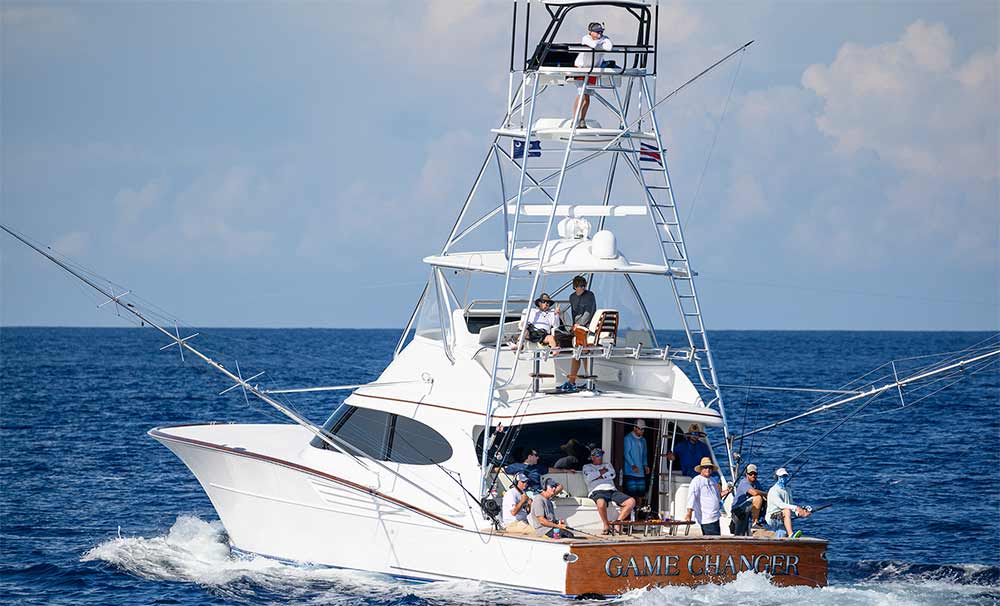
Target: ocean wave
<point x="960" y="574"/>
<point x="197" y="551"/>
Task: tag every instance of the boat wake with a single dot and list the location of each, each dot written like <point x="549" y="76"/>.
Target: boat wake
<point x="197" y="551"/>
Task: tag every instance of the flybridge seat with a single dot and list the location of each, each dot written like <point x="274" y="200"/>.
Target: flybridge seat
<point x="561" y="128"/>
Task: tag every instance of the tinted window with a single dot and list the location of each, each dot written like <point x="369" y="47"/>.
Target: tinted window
<point x="417" y="444"/>
<point x="386" y="437"/>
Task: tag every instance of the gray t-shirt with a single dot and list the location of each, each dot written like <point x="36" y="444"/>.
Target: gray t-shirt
<point x="584" y="307"/>
<point x="540" y="506"/>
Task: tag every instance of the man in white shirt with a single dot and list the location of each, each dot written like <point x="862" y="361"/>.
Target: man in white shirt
<point x="601" y="488"/>
<point x="541" y="322"/>
<point x="780" y="507"/>
<point x="596" y="40"/>
<point x="705" y="500"/>
<point x="516" y="505"/>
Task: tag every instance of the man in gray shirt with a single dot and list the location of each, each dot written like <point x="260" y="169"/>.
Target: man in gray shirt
<point x="543" y="512"/>
<point x="584" y="306"/>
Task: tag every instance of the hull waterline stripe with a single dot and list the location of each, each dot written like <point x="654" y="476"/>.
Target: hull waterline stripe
<point x="536" y="414"/>
<point x="157" y="433"/>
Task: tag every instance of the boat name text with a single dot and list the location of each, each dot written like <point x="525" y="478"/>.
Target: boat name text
<point x="701" y="565"/>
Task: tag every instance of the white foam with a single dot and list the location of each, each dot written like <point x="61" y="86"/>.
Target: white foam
<point x="196" y="551"/>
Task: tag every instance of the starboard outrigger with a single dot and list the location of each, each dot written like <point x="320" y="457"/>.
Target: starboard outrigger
<point x="403" y="477"/>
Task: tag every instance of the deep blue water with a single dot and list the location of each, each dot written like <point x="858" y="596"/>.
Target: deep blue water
<point x="95" y="512"/>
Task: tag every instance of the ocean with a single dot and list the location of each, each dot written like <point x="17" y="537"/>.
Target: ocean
<point x="93" y="511"/>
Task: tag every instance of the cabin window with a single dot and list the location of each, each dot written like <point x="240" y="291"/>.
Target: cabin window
<point x="414" y="443"/>
<point x="385" y="436"/>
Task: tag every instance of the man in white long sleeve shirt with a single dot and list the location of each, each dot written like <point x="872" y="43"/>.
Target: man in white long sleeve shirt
<point x="601" y="487"/>
<point x="596" y="40"/>
<point x="780" y="507"/>
<point x="705" y="500"/>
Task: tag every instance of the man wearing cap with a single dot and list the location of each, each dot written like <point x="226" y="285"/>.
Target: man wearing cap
<point x="636" y="462"/>
<point x="531" y="467"/>
<point x="705" y="500"/>
<point x="541" y="322"/>
<point x="601" y="488"/>
<point x="749" y="501"/>
<point x="596" y="40"/>
<point x="780" y="507"/>
<point x="689" y="452"/>
<point x="516" y="505"/>
<point x="543" y="512"/>
<point x="583" y="304"/>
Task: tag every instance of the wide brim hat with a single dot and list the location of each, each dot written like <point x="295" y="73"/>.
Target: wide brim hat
<point x="705" y="462"/>
<point x="544" y="298"/>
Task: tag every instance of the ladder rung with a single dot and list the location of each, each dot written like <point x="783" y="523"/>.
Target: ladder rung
<point x="657" y="187"/>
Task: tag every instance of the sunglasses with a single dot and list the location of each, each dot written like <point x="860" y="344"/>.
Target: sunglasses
<point x="751" y="473"/>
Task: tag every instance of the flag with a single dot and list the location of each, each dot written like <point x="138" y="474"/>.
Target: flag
<point x="534" y="150"/>
<point x="649" y="153"/>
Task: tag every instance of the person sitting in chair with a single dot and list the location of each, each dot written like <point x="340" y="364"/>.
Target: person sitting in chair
<point x="780" y="508"/>
<point x="601" y="488"/>
<point x="543" y="512"/>
<point x="516" y="504"/>
<point x="750" y="498"/>
<point x="531" y="467"/>
<point x="541" y="323"/>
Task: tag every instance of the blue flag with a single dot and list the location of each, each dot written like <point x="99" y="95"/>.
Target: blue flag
<point x="534" y="150"/>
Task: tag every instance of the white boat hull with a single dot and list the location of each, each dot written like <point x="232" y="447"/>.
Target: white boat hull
<point x="283" y="510"/>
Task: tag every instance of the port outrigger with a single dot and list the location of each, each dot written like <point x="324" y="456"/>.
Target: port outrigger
<point x="406" y="475"/>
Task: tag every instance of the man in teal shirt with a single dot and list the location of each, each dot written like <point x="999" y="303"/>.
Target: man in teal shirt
<point x="634" y="482"/>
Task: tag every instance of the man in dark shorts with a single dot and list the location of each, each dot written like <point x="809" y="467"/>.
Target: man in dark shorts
<point x="584" y="305"/>
<point x="601" y="487"/>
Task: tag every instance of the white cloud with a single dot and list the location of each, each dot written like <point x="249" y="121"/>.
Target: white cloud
<point x="37" y="19"/>
<point x="73" y="244"/>
<point x="133" y="203"/>
<point x="909" y="102"/>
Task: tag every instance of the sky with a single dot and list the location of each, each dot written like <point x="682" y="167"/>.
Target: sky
<point x="288" y="165"/>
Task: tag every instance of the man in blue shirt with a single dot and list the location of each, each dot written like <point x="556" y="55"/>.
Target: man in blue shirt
<point x="531" y="468"/>
<point x="688" y="453"/>
<point x="636" y="463"/>
<point x="749" y="502"/>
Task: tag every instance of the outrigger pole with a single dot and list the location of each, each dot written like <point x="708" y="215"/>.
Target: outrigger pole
<point x="898" y="384"/>
<point x="333" y="441"/>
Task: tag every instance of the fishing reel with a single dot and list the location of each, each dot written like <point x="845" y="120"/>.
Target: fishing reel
<point x="491" y="509"/>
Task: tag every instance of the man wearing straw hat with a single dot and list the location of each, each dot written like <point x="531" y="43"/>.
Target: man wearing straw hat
<point x="688" y="452"/>
<point x="705" y="500"/>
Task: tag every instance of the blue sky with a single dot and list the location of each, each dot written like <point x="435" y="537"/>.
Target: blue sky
<point x="288" y="165"/>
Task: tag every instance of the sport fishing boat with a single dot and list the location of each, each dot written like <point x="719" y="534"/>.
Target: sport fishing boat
<point x="404" y="477"/>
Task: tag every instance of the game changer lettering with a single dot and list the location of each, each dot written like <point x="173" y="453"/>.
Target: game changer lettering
<point x="698" y="565"/>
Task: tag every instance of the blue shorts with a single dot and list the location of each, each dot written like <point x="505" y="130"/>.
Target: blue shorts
<point x="635" y="486"/>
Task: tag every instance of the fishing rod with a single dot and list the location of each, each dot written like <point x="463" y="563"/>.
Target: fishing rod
<point x="335" y="442"/>
<point x="875" y="391"/>
<point x="674" y="92"/>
